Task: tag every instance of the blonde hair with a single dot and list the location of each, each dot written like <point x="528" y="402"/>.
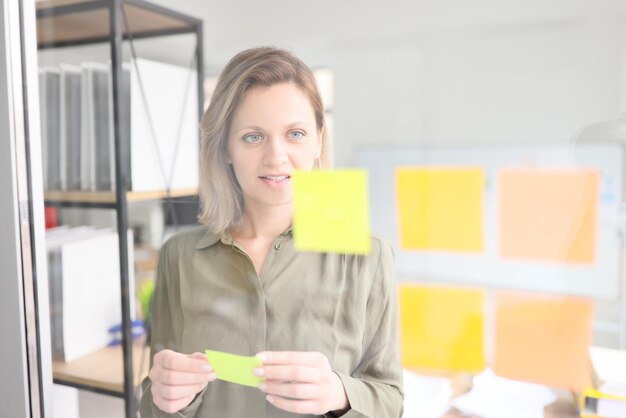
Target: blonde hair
<point x="221" y="198"/>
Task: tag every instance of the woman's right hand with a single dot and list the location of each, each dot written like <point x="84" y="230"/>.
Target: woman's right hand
<point x="177" y="378"/>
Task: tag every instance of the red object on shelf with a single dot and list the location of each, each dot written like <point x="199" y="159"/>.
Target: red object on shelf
<point x="51" y="215"/>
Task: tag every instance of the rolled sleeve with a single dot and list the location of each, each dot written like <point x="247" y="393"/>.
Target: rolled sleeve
<point x="149" y="409"/>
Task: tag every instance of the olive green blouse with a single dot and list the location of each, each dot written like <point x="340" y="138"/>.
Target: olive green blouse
<point x="209" y="296"/>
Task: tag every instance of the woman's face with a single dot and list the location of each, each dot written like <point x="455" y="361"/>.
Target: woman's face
<point x="272" y="134"/>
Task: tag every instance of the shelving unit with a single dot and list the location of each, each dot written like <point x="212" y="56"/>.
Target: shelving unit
<point x="69" y="23"/>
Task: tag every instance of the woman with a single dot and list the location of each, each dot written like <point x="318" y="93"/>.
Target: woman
<point x="323" y="324"/>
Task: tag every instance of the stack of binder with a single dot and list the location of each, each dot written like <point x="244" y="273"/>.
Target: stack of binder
<point x="70" y="138"/>
<point x="96" y="128"/>
<point x="158" y="106"/>
<point x="50" y="106"/>
<point x="84" y="289"/>
<point x="607" y="397"/>
<point x="77" y="126"/>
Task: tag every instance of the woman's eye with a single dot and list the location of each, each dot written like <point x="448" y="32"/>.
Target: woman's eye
<point x="296" y="134"/>
<point x="252" y="138"/>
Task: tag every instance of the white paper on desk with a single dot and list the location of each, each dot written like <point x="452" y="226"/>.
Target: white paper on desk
<point x="496" y="397"/>
<point x="425" y="396"/>
<point x="610" y="365"/>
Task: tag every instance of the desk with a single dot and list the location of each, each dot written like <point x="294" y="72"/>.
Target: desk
<point x="561" y="408"/>
<point x="102" y="371"/>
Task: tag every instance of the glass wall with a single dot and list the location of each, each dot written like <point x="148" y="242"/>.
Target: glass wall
<point x="480" y="147"/>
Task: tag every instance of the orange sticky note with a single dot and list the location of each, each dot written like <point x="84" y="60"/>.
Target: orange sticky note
<point x="440" y="208"/>
<point x="549" y="214"/>
<point x="543" y="338"/>
<point x="442" y="327"/>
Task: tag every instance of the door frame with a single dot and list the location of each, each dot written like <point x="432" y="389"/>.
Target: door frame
<point x="25" y="363"/>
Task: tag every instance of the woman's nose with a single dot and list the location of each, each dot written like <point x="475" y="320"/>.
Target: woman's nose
<point x="275" y="153"/>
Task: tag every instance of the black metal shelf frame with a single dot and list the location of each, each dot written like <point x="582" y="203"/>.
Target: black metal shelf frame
<point x="83" y="205"/>
<point x="115" y="38"/>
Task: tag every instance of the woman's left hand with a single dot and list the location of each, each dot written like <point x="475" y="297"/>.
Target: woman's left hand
<point x="301" y="382"/>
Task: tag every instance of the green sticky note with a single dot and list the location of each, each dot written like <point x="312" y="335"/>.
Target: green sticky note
<point x="234" y="368"/>
<point x="331" y="212"/>
<point x="146" y="290"/>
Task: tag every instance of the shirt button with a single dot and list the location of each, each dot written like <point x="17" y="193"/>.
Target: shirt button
<point x="278" y="246"/>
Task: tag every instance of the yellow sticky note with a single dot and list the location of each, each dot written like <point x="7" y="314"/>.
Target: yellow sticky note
<point x="543" y="338"/>
<point x="331" y="212"/>
<point x="440" y="208"/>
<point x="549" y="214"/>
<point x="442" y="327"/>
<point x="234" y="368"/>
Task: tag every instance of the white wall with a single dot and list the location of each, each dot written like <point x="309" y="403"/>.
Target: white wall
<point x="522" y="84"/>
<point x="380" y="96"/>
<point x="440" y="71"/>
<point x="539" y="82"/>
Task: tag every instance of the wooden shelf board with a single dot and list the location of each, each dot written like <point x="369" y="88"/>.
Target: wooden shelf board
<point x="109" y="197"/>
<point x="54" y="3"/>
<point x="94" y="24"/>
<point x="103" y="369"/>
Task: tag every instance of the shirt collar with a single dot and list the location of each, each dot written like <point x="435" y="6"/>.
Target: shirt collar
<point x="288" y="232"/>
<point x="210" y="238"/>
<point x="207" y="239"/>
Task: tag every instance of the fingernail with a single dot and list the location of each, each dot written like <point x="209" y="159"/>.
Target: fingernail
<point x="261" y="357"/>
<point x="258" y="372"/>
<point x="270" y="399"/>
<point x="262" y="386"/>
<point x="207" y="368"/>
<point x="212" y="377"/>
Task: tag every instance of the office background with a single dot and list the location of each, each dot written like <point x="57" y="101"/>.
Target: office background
<point x="406" y="73"/>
